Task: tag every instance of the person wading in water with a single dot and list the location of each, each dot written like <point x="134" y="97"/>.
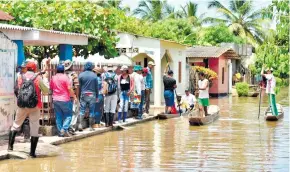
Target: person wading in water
<point x="203" y="86"/>
<point x="169" y="86"/>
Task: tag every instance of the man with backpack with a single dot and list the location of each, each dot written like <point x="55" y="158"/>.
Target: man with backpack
<point x="110" y="79"/>
<point x="29" y="104"/>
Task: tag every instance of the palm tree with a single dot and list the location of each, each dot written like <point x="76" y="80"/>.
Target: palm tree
<point x="189" y="11"/>
<point x="153" y="10"/>
<point x="241" y="18"/>
<point x="113" y="3"/>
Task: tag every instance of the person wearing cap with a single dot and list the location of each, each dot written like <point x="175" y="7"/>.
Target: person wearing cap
<point x="270" y="88"/>
<point x="138" y="80"/>
<point x="74" y="81"/>
<point x="144" y="74"/>
<point x="89" y="91"/>
<point x="32" y="113"/>
<point x="148" y="85"/>
<point x="203" y="87"/>
<point x="188" y="100"/>
<point x="126" y="88"/>
<point x="62" y="91"/>
<point x="110" y="99"/>
<point x="169" y="86"/>
<point x="100" y="104"/>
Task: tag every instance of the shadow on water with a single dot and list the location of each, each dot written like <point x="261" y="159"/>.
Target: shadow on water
<point x="238" y="141"/>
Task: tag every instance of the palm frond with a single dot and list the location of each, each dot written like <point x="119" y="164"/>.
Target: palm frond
<point x="191" y="9"/>
<point x="222" y="9"/>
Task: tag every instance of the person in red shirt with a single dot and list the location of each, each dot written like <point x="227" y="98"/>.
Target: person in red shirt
<point x="32" y="113"/>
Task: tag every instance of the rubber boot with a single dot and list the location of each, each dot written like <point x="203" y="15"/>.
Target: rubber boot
<point x="81" y="117"/>
<point x="91" y="123"/>
<point x="119" y="116"/>
<point x="107" y="119"/>
<point x="111" y="119"/>
<point x="12" y="135"/>
<point x="124" y="116"/>
<point x="34" y="141"/>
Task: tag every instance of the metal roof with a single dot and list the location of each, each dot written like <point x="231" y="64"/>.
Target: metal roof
<point x="5" y="16"/>
<point x="22" y="28"/>
<point x="210" y="52"/>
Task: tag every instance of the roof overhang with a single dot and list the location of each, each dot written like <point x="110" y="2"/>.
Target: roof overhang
<point x="211" y="52"/>
<point x="5" y="16"/>
<point x="41" y="37"/>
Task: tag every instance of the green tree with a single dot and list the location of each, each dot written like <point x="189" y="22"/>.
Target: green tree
<point x="153" y="10"/>
<point x="241" y="19"/>
<point x="69" y="16"/>
<point x="214" y="35"/>
<point x="113" y="4"/>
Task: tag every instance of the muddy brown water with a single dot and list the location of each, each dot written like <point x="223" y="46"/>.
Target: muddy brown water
<point x="238" y="141"/>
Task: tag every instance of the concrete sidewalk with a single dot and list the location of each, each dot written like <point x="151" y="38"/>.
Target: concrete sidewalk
<point x="47" y="144"/>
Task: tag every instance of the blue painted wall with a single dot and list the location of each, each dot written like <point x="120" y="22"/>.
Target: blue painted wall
<point x="20" y="52"/>
<point x="65" y="52"/>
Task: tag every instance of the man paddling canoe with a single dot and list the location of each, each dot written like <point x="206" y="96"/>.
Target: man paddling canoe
<point x="270" y="89"/>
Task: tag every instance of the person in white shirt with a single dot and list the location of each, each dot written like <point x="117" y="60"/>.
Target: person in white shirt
<point x="188" y="100"/>
<point x="203" y="86"/>
<point x="270" y="89"/>
<point x="138" y="79"/>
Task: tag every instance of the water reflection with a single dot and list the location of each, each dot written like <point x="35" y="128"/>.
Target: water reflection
<point x="238" y="141"/>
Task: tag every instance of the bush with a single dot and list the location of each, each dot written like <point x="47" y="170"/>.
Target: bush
<point x="242" y="88"/>
<point x="279" y="82"/>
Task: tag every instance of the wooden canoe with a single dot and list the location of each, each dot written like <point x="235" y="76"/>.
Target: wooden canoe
<point x="163" y="116"/>
<point x="213" y="111"/>
<point x="271" y="117"/>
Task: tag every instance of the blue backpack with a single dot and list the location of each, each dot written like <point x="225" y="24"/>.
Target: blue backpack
<point x="112" y="85"/>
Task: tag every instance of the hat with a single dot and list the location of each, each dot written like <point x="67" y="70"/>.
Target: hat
<point x="23" y="65"/>
<point x="67" y="64"/>
<point x="124" y="67"/>
<point x="98" y="70"/>
<point x="137" y="68"/>
<point x="89" y="66"/>
<point x="145" y="70"/>
<point x="151" y="63"/>
<point x="170" y="72"/>
<point x="110" y="67"/>
<point x="31" y="66"/>
<point x="271" y="69"/>
<point x="187" y="89"/>
<point x="60" y="68"/>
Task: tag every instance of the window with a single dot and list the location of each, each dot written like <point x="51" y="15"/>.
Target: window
<point x="138" y="63"/>
<point x="145" y="62"/>
<point x="223" y="75"/>
<point x="179" y="72"/>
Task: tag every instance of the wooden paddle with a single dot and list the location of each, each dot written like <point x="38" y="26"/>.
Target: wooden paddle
<point x="260" y="102"/>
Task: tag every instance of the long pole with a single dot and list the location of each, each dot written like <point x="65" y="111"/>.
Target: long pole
<point x="261" y="90"/>
<point x="174" y="89"/>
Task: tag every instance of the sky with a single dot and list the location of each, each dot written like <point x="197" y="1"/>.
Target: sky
<point x="202" y="5"/>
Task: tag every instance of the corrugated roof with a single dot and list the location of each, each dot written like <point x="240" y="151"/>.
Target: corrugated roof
<point x="5" y="16"/>
<point x="210" y="52"/>
<point x="22" y="28"/>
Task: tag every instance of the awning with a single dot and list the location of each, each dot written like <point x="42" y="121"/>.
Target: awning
<point x="117" y="61"/>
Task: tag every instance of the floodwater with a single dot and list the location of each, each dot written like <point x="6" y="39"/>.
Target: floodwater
<point x="238" y="141"/>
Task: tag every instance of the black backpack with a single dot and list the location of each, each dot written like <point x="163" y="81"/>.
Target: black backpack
<point x="112" y="85"/>
<point x="27" y="96"/>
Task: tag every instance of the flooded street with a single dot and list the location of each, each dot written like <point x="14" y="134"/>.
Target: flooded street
<point x="238" y="141"/>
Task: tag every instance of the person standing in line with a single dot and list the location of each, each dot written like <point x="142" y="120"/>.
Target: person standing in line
<point x="126" y="87"/>
<point x="169" y="86"/>
<point x="100" y="104"/>
<point x="203" y="86"/>
<point x="149" y="86"/>
<point x="143" y="74"/>
<point x="73" y="77"/>
<point x="62" y="92"/>
<point x="29" y="104"/>
<point x="138" y="80"/>
<point x="89" y="91"/>
<point x="270" y="89"/>
<point x="110" y="91"/>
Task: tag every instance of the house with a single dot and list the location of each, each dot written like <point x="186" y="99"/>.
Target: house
<point x="218" y="59"/>
<point x="143" y="49"/>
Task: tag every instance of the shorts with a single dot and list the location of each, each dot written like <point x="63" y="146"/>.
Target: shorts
<point x="204" y="102"/>
<point x="169" y="97"/>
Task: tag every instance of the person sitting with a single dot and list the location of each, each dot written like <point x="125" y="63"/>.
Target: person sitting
<point x="188" y="100"/>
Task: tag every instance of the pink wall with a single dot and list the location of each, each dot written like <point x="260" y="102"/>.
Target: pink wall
<point x="213" y="64"/>
<point x="217" y="64"/>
